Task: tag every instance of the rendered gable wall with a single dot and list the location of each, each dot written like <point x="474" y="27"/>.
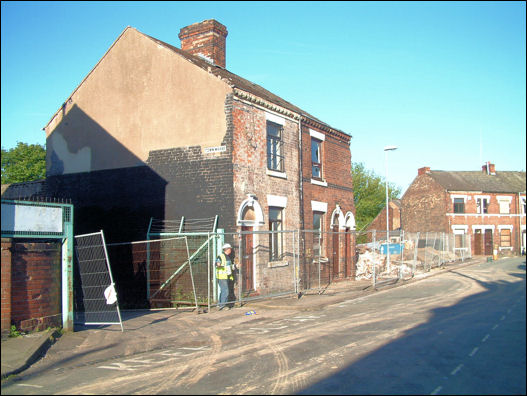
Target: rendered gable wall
<point x="140" y="97"/>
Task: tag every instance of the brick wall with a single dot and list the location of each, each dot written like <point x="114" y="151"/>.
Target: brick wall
<point x="423" y="206"/>
<point x="249" y="125"/>
<point x="6" y="284"/>
<point x="491" y="221"/>
<point x="36" y="290"/>
<point x="336" y="171"/>
<point x="198" y="185"/>
<point x="379" y="223"/>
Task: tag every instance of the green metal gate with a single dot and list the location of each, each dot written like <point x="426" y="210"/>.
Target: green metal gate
<point x="45" y="220"/>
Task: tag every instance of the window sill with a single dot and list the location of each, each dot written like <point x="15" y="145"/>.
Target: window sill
<point x="322" y="183"/>
<point x="281" y="175"/>
<point x="323" y="260"/>
<point x="275" y="264"/>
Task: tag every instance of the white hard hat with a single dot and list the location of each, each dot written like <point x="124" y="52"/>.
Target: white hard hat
<point x="227" y="246"/>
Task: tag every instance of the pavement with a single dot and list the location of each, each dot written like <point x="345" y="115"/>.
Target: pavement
<point x="146" y="330"/>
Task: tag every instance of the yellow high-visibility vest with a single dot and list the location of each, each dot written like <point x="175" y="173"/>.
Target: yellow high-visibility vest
<point x="221" y="270"/>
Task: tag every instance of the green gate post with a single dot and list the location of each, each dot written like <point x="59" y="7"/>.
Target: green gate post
<point x="67" y="273"/>
<point x="220" y="240"/>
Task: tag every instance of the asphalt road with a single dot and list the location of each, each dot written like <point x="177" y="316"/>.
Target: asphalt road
<point x="458" y="332"/>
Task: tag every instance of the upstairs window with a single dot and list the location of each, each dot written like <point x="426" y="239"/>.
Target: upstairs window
<point x="482" y="205"/>
<point x="316" y="159"/>
<point x="459" y="205"/>
<point x="276" y="236"/>
<point x="275" y="154"/>
<point x="504" y="206"/>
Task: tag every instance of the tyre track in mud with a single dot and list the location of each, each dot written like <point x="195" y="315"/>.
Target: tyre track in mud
<point x="275" y="349"/>
<point x="293" y="353"/>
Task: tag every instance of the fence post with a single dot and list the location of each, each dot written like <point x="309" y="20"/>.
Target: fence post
<point x="220" y="240"/>
<point x="208" y="272"/>
<point x="415" y="252"/>
<point x="240" y="272"/>
<point x="426" y="245"/>
<point x="294" y="263"/>
<point x="374" y="235"/>
<point x="319" y="254"/>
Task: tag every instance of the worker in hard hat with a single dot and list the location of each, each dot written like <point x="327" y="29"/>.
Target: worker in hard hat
<point x="225" y="268"/>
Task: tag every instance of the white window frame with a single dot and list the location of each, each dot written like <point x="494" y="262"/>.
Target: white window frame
<point x="460" y="230"/>
<point x="479" y="209"/>
<point x="319" y="136"/>
<point x="464" y="197"/>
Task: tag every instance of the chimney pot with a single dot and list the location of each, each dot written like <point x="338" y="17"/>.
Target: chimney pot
<point x="423" y="170"/>
<point x="207" y="39"/>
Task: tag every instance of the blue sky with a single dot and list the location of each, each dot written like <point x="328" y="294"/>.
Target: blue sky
<point x="444" y="81"/>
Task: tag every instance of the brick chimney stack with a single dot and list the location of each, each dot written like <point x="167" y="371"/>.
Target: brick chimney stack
<point x="206" y="39"/>
<point x="489" y="168"/>
<point x="423" y="170"/>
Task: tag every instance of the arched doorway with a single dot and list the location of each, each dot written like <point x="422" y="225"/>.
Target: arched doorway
<point x="349" y="246"/>
<point x="250" y="216"/>
<point x="337" y="224"/>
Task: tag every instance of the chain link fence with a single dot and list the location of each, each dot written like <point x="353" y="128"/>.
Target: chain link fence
<point x="180" y="271"/>
<point x="407" y="253"/>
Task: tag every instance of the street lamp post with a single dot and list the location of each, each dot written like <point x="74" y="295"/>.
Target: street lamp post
<point x="386" y="149"/>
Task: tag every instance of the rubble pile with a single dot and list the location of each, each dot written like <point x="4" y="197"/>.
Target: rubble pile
<point x="367" y="260"/>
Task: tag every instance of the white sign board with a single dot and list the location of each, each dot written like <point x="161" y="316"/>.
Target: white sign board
<point x="219" y="149"/>
<point x="24" y="218"/>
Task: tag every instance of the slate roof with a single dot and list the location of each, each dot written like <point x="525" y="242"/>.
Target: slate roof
<point x="501" y="182"/>
<point x="238" y="82"/>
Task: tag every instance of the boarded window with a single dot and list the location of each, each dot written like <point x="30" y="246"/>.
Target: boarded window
<point x="505" y="238"/>
<point x="504" y="206"/>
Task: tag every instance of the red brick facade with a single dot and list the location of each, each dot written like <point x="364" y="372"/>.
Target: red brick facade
<point x="334" y="193"/>
<point x="31" y="285"/>
<point x="206" y="38"/>
<point x="424" y="206"/>
<point x="6" y="284"/>
<point x="394" y="218"/>
<point x="494" y="221"/>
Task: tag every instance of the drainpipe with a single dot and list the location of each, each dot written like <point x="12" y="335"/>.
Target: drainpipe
<point x="301" y="242"/>
<point x="300" y="175"/>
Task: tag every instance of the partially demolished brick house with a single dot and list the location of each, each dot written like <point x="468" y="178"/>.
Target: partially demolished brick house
<point x="158" y="131"/>
<point x="487" y="206"/>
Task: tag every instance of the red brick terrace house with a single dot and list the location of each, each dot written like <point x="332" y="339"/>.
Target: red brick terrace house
<point x="488" y="206"/>
<point x="158" y="131"/>
<point x="379" y="222"/>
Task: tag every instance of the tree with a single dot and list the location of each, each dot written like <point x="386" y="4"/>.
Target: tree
<point x="25" y="162"/>
<point x="369" y="192"/>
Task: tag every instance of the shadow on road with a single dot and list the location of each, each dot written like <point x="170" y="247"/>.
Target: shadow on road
<point x="425" y="358"/>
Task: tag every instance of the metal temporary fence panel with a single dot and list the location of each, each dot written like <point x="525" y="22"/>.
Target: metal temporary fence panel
<point x="96" y="297"/>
